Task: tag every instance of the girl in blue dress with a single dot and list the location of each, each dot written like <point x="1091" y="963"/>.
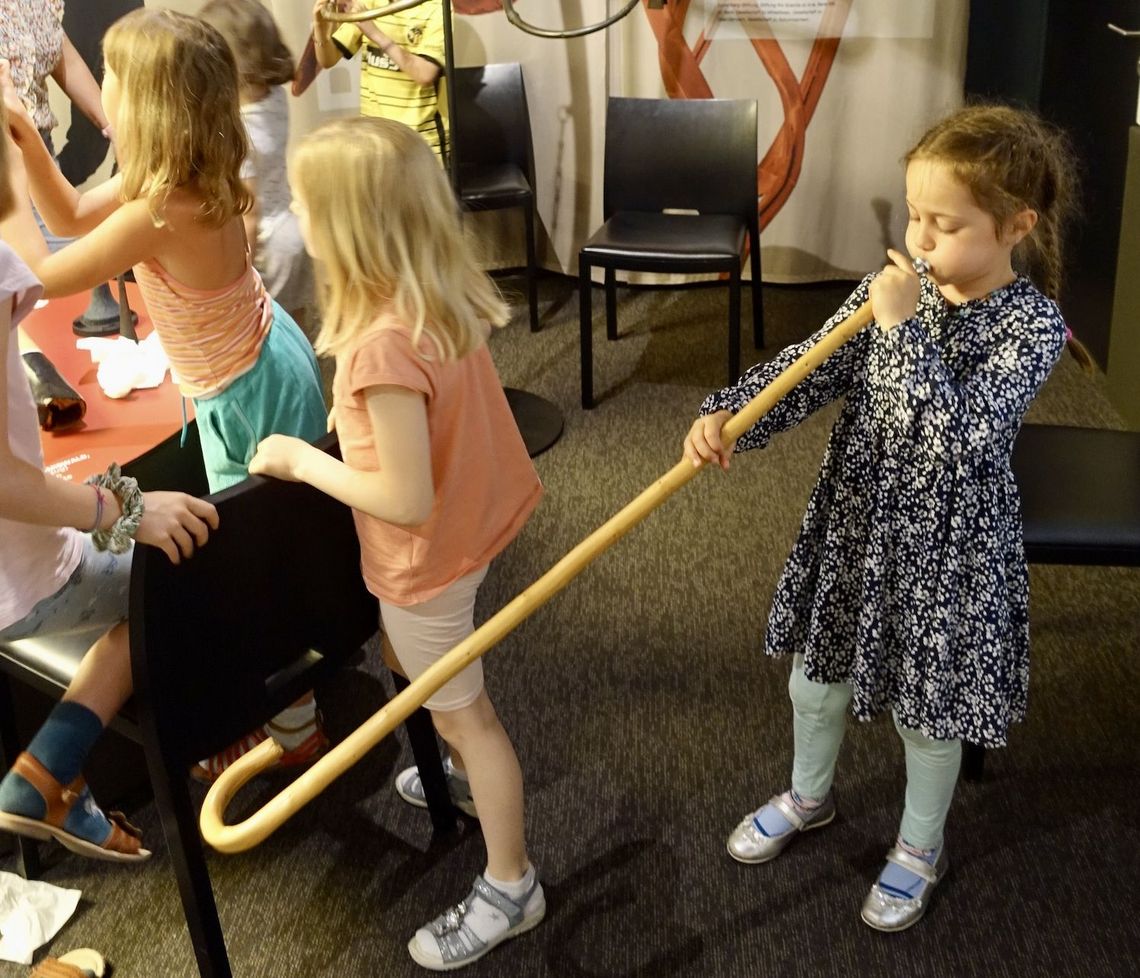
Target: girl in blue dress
<point x="907" y="588"/>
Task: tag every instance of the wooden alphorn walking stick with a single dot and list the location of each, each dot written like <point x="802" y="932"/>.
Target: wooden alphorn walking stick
<point x="275" y="812"/>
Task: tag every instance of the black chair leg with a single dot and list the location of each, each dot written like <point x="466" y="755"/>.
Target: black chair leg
<point x="27" y="851"/>
<point x="425" y="749"/>
<point x="733" y="325"/>
<point x="611" y="304"/>
<point x="757" y="283"/>
<point x="531" y="267"/>
<point x="180" y="826"/>
<point x="585" y="324"/>
<point x="973" y="762"/>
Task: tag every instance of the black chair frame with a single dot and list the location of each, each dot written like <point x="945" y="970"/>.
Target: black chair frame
<point x="662" y="156"/>
<point x="494" y="154"/>
<point x="219" y="644"/>
<point x="1080" y="505"/>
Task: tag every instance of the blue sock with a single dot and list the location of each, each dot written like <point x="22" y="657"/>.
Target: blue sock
<point x="898" y="881"/>
<point x="66" y="738"/>
<point x="61" y="745"/>
<point x="770" y="821"/>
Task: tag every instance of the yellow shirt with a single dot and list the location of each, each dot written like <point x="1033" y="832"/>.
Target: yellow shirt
<point x="385" y="90"/>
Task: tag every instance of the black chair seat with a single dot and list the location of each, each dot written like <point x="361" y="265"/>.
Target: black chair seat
<point x="52" y="661"/>
<point x="1080" y="494"/>
<point x="492" y="185"/>
<point x="634" y="237"/>
<point x="679" y="196"/>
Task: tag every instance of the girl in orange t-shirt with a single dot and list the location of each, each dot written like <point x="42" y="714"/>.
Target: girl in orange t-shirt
<point x="434" y="468"/>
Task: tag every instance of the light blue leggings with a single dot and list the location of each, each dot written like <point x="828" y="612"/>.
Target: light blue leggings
<point x="820" y="718"/>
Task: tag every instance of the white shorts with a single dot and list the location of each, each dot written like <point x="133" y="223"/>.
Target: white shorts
<point x="421" y="634"/>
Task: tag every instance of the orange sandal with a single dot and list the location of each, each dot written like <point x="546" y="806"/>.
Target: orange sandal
<point x="83" y="963"/>
<point x="308" y="750"/>
<point x="123" y="845"/>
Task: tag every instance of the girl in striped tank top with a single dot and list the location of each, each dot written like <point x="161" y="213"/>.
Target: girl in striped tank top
<point x="174" y="214"/>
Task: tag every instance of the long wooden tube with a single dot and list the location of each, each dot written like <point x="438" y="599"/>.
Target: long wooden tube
<point x="257" y="827"/>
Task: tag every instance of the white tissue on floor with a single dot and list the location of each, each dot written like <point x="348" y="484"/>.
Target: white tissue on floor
<point x="31" y="914"/>
<point x="125" y="365"/>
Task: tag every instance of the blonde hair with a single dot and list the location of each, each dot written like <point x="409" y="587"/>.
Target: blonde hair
<point x="251" y="32"/>
<point x="7" y="201"/>
<point x="384" y="226"/>
<point x="1012" y="160"/>
<point x="179" y="118"/>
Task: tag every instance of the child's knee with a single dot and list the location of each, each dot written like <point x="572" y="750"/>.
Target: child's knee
<point x="944" y="751"/>
<point x="816" y="699"/>
<point x="468" y="723"/>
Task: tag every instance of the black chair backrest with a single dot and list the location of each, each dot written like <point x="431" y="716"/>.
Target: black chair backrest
<point x="492" y="123"/>
<point x="689" y="154"/>
<point x="223" y="641"/>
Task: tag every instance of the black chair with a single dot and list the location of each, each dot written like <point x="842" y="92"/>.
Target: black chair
<point x="1080" y="505"/>
<point x="493" y="152"/>
<point x="221" y="643"/>
<point x="661" y="156"/>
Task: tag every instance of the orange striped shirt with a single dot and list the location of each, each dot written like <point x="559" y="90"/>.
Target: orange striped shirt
<point x="211" y="337"/>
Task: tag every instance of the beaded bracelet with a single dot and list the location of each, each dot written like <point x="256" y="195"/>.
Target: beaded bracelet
<point x="118" y="538"/>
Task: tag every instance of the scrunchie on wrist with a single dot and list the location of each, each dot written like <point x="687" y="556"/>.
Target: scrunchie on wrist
<point x="118" y="538"/>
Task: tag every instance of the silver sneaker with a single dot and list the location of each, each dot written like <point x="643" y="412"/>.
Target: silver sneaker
<point x="449" y="942"/>
<point x="410" y="787"/>
<point x="748" y="844"/>
<point x="885" y="912"/>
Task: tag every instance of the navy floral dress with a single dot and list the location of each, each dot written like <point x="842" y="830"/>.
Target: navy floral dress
<point x="908" y="579"/>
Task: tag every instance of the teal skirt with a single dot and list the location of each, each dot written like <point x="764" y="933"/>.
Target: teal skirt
<point x="280" y="395"/>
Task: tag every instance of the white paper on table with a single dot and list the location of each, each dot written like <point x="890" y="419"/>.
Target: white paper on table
<point x="125" y="365"/>
<point x="31" y="914"/>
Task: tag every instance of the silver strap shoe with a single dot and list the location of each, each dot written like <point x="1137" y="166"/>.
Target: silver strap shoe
<point x="887" y="912"/>
<point x="748" y="844"/>
<point x="449" y="942"/>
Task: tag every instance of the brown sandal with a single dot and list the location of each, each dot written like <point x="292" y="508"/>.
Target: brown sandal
<point x="83" y="963"/>
<point x="124" y="844"/>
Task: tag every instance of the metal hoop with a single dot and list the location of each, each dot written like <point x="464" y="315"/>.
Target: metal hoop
<point x="522" y="25"/>
<point x="351" y="17"/>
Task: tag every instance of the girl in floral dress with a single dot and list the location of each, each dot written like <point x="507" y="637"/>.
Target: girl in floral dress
<point x="907" y="588"/>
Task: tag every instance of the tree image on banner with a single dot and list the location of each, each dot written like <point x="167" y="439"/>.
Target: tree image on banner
<point x="779" y="170"/>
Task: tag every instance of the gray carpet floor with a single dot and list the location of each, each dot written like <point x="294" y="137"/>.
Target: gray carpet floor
<point x="648" y="722"/>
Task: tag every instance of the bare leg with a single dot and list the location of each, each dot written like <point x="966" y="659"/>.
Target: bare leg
<point x="102" y="683"/>
<point x="388" y="655"/>
<point x="475" y="733"/>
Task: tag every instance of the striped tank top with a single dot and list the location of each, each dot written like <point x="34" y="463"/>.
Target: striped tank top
<point x="211" y="337"/>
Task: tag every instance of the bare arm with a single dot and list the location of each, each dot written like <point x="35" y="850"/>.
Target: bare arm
<point x="74" y="77"/>
<point x="401" y="491"/>
<point x="175" y="523"/>
<point x="125" y="238"/>
<point x="423" y="71"/>
<point x="65" y="210"/>
<point x="328" y="54"/>
<point x="27" y="494"/>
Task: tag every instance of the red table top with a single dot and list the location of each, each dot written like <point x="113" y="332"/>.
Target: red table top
<point x="112" y="430"/>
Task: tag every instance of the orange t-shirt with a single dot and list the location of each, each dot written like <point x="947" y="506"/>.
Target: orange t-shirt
<point x="485" y="484"/>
